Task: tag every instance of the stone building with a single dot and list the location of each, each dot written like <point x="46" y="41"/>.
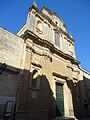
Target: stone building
<point x="40" y="78"/>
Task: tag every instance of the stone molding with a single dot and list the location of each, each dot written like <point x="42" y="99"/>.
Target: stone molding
<point x="37" y="65"/>
<point x="69" y="67"/>
<point x="59" y="75"/>
<point x="50" y="46"/>
<point x="42" y="15"/>
<point x="39" y="52"/>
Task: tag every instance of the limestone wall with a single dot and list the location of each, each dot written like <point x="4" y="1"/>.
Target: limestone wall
<point x="11" y="49"/>
<point x="12" y="53"/>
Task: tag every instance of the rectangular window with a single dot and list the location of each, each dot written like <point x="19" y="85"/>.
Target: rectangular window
<point x="59" y="99"/>
<point x="65" y="45"/>
<point x="9" y="108"/>
<point x="57" y="39"/>
<point x="34" y="79"/>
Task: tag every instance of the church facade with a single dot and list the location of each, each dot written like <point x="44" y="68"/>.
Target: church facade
<point x="40" y="78"/>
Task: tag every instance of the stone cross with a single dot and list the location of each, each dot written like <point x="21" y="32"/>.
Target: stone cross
<point x="34" y="3"/>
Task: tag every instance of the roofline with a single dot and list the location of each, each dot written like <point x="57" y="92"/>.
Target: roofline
<point x="21" y="27"/>
<point x="84" y="70"/>
<point x="53" y="13"/>
<point x="50" y="20"/>
<point x="10" y="32"/>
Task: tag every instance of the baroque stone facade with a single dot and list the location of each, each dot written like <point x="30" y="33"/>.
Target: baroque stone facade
<point x="42" y="77"/>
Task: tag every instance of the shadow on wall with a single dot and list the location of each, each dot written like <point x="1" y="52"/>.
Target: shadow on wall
<point x="81" y="97"/>
<point x="34" y="96"/>
<point x="30" y="91"/>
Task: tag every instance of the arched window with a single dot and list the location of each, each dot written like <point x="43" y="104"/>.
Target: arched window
<point x="35" y="79"/>
<point x="39" y="25"/>
<point x="56" y="23"/>
<point x="57" y="39"/>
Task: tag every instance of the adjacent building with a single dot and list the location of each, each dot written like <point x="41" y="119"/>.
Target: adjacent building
<point x="40" y="77"/>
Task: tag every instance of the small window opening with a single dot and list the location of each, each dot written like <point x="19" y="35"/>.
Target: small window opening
<point x="39" y="25"/>
<point x="9" y="109"/>
<point x="35" y="76"/>
<point x="56" y="22"/>
<point x="57" y="39"/>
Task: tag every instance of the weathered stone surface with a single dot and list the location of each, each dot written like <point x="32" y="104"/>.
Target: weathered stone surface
<point x="35" y="64"/>
<point x="11" y="49"/>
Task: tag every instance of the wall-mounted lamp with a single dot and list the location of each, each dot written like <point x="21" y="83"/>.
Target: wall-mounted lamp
<point x="2" y="67"/>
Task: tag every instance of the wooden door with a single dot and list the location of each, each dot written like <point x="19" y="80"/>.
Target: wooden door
<point x="59" y="99"/>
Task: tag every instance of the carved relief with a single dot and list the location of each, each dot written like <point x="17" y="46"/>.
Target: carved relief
<point x="44" y="54"/>
<point x="36" y="59"/>
<point x="75" y="71"/>
<point x="39" y="27"/>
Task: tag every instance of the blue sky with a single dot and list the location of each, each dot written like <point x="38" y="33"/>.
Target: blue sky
<point x="75" y="14"/>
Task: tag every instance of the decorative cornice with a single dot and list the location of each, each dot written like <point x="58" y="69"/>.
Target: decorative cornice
<point x="59" y="75"/>
<point x="52" y="13"/>
<point x="84" y="70"/>
<point x="77" y="71"/>
<point x="50" y="46"/>
<point x="38" y="65"/>
<point x="39" y="52"/>
<point x="50" y="21"/>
